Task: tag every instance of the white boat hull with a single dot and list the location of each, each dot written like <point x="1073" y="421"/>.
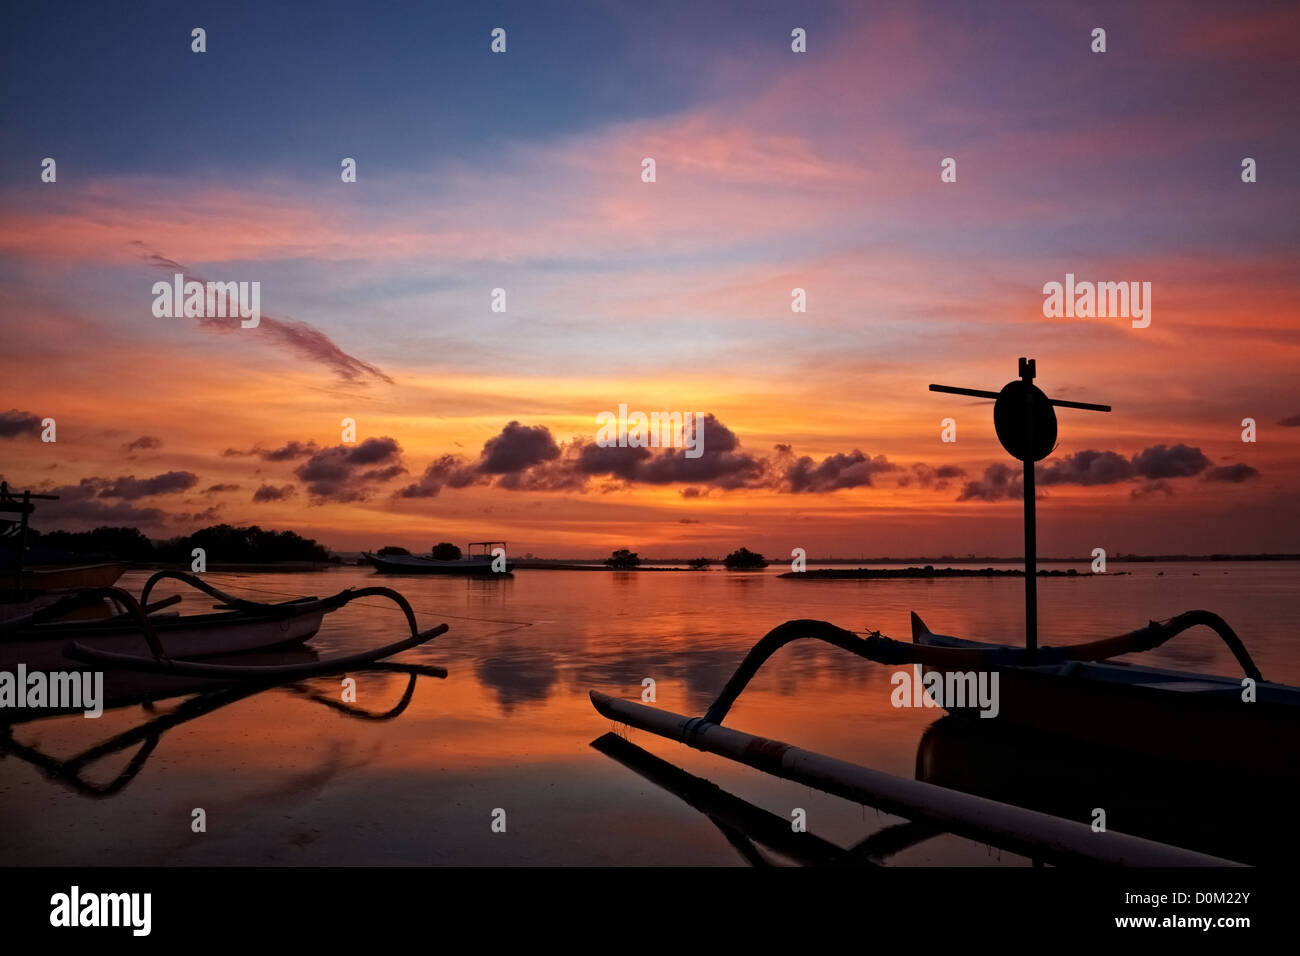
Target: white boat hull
<point x="416" y="564"/>
<point x="41" y="648"/>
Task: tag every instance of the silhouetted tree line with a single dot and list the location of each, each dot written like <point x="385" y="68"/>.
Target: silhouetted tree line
<point x="623" y="560"/>
<point x="127" y="544"/>
<point x="742" y="559"/>
<point x="221" y="543"/>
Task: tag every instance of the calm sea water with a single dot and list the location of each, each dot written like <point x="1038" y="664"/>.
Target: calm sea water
<point x="285" y="779"/>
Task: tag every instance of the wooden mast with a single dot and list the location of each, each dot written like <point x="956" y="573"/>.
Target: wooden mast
<point x="1026" y="425"/>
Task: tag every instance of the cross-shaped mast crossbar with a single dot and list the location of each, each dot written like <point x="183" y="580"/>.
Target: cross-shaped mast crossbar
<point x="979" y="393"/>
<point x="1019" y="404"/>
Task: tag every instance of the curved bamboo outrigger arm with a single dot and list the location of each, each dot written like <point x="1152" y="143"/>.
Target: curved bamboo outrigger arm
<point x="229" y="600"/>
<point x="874" y="647"/>
<point x="1157" y="632"/>
<point x="289" y="608"/>
<point x="769" y="644"/>
<point x="883" y="650"/>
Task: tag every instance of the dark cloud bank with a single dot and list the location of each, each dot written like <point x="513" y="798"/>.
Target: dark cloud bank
<point x="528" y="458"/>
<point x="1150" y="469"/>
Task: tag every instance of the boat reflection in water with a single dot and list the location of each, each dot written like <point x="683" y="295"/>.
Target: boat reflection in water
<point x="71" y="772"/>
<point x="748" y="827"/>
<point x="1215" y="804"/>
<point x="1207" y="807"/>
<point x="1034" y="794"/>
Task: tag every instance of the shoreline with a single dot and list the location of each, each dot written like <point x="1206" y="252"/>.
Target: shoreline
<point x="911" y="570"/>
<point x="859" y="574"/>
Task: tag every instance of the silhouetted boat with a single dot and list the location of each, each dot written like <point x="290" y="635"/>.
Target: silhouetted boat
<point x="1257" y="737"/>
<point x="43" y="585"/>
<point x="29" y="571"/>
<point x="472" y="563"/>
<point x="1079" y="690"/>
<point x="1150" y="795"/>
<point x="42" y="645"/>
<point x="1074" y="691"/>
<point x="1154" y="710"/>
<point x="62" y="577"/>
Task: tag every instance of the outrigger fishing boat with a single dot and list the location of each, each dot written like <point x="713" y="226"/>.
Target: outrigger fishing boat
<point x="149" y="652"/>
<point x="1079" y="692"/>
<point x="1076" y="690"/>
<point x="40" y="639"/>
<point x="480" y="562"/>
<point x="42" y="579"/>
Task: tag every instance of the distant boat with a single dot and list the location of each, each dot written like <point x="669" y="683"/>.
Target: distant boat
<point x="476" y="563"/>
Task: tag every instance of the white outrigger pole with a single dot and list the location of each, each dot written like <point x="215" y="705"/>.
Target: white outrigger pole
<point x="1039" y="836"/>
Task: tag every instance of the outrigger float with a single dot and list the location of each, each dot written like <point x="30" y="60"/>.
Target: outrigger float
<point x="1076" y="690"/>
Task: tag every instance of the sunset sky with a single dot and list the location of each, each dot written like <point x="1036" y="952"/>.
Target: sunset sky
<point x="774" y="170"/>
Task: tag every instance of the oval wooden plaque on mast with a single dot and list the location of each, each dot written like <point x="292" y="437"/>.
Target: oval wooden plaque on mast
<point x="1025" y="421"/>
